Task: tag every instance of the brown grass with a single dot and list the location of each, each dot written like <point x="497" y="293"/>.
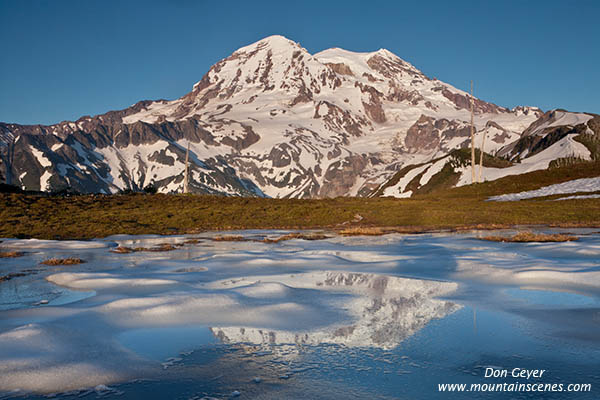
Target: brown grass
<point x="11" y="254"/>
<point x="482" y="227"/>
<point x="529" y="237"/>
<point x="229" y="238"/>
<point x="122" y="250"/>
<point x="63" y="261"/>
<point x="163" y="247"/>
<point x="158" y="248"/>
<point x="95" y="216"/>
<point x="4" y="278"/>
<point x="289" y="236"/>
<point x="363" y="230"/>
<point x="296" y="235"/>
<point x="385" y="230"/>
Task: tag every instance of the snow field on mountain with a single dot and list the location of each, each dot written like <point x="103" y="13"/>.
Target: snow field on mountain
<point x="563" y="118"/>
<point x="41" y="158"/>
<point x="566" y="147"/>
<point x="405" y="180"/>
<point x="432" y="170"/>
<point x="151" y="114"/>
<point x="132" y="155"/>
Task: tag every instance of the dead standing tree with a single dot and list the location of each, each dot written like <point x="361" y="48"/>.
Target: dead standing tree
<point x="7" y="160"/>
<point x="481" y="156"/>
<point x="187" y="168"/>
<point x="472" y="138"/>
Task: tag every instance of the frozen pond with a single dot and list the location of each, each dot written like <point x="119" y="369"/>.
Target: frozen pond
<point x="387" y="317"/>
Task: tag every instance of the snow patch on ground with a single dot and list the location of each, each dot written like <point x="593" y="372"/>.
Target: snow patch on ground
<point x="588" y="196"/>
<point x="574" y="186"/>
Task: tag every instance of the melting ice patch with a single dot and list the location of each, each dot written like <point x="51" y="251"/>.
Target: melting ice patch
<point x="60" y="356"/>
<point x="37" y="244"/>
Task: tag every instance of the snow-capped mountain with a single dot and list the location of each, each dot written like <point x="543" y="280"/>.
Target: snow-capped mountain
<point x="269" y="120"/>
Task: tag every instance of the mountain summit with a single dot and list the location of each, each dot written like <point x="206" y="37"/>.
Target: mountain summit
<point x="269" y="120"/>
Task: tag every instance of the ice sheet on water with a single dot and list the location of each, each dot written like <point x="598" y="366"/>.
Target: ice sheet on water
<point x="102" y="281"/>
<point x="356" y="292"/>
<point x="55" y="356"/>
<point x="52" y="244"/>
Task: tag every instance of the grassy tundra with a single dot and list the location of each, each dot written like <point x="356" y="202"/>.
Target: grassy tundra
<point x="91" y="216"/>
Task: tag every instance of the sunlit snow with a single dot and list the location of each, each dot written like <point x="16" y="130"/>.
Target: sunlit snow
<point x="573" y="186"/>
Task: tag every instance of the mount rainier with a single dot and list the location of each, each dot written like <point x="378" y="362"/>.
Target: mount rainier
<point x="273" y="120"/>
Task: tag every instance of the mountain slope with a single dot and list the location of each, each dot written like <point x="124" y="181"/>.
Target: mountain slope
<point x="269" y="120"/>
<point x="557" y="138"/>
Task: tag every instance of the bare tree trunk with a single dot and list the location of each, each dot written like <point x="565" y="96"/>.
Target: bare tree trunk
<point x="481" y="156"/>
<point x="187" y="164"/>
<point x="8" y="161"/>
<point x="472" y="139"/>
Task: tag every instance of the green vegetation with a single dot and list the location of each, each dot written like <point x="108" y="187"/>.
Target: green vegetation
<point x="92" y="216"/>
<point x="445" y="179"/>
<point x="463" y="157"/>
<point x="592" y="143"/>
<point x="396" y="178"/>
<point x="566" y="162"/>
<point x="448" y="176"/>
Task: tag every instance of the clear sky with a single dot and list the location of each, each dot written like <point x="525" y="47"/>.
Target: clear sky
<point x="62" y="59"/>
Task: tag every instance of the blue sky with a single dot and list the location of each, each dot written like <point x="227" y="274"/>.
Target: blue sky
<point x="65" y="59"/>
